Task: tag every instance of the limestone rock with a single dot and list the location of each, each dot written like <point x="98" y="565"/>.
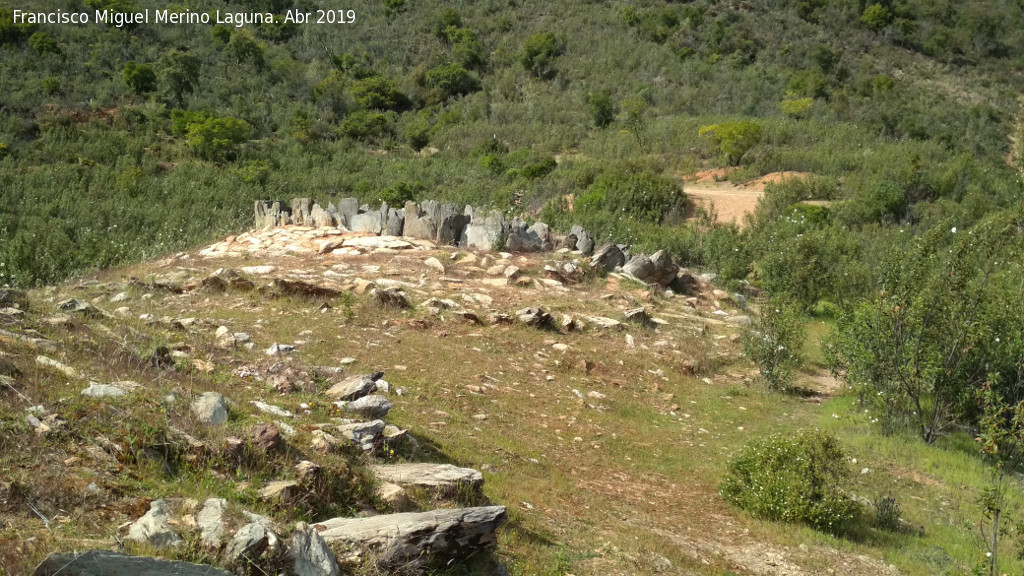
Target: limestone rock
<point x="372" y="406"/>
<point x="106" y="563"/>
<point x="80" y="307"/>
<point x="655" y="269"/>
<point x="395" y="222"/>
<point x="226" y="278"/>
<point x="363" y="434"/>
<point x="347" y="209"/>
<point x="152" y="528"/>
<point x="301" y="209"/>
<point x="485" y="230"/>
<point x="523" y="238"/>
<point x="310" y="555"/>
<point x="368" y="222"/>
<point x="279" y="490"/>
<point x="270" y="214"/>
<point x="96" y="390"/>
<point x="303" y="289"/>
<point x="442" y="477"/>
<point x="584" y="242"/>
<point x="354" y="387"/>
<point x="210" y="409"/>
<point x="320" y="218"/>
<point x="248" y="543"/>
<point x="536" y="317"/>
<point x="265" y="436"/>
<point x="435" y="264"/>
<point x="439" y="534"/>
<point x="607" y="258"/>
<point x="210" y="521"/>
<point x="420" y="221"/>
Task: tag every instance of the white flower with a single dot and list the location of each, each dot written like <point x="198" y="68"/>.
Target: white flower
<point x="953" y="230"/>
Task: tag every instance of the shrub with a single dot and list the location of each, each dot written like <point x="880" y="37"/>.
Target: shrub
<point x="43" y="43"/>
<point x="539" y="169"/>
<point x="139" y="77"/>
<point x="4" y="150"/>
<point x="602" y="108"/>
<point x="643" y="197"/>
<point x="181" y="120"/>
<point x="367" y="126"/>
<point x="376" y="93"/>
<point x="539" y="53"/>
<point x="400" y="193"/>
<point x="51" y="85"/>
<point x="218" y="138"/>
<point x="887" y="513"/>
<point x="179" y="73"/>
<point x="797" y="107"/>
<point x="876" y="17"/>
<point x="450" y="80"/>
<point x="792" y="478"/>
<point x="775" y="341"/>
<point x="243" y="48"/>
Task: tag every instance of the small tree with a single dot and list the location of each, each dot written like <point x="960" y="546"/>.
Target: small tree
<point x="377" y="93"/>
<point x="451" y="80"/>
<point x="876" y="17"/>
<point x="775" y="341"/>
<point x="734" y="139"/>
<point x="243" y="48"/>
<point x="43" y="43"/>
<point x="218" y="138"/>
<point x="139" y="77"/>
<point x="1001" y="438"/>
<point x="634" y="116"/>
<point x="179" y="73"/>
<point x="602" y="108"/>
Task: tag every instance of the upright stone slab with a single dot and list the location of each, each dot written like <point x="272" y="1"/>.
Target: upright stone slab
<point x="420" y="221"/>
<point x="485" y="229"/>
<point x="269" y="214"/>
<point x="301" y="209"/>
<point x="369" y="222"/>
<point x="523" y="238"/>
<point x="320" y="218"/>
<point x="584" y="242"/>
<point x="607" y="258"/>
<point x="347" y="208"/>
<point x="396" y="222"/>
<point x="451" y="222"/>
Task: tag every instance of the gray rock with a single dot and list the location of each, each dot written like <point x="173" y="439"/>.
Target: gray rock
<point x="320" y="218"/>
<point x="396" y="222"/>
<point x="12" y="297"/>
<point x="210" y="409"/>
<point x="353" y="388"/>
<point x="439" y="535"/>
<point x="607" y="258"/>
<point x="80" y="307"/>
<point x="442" y="477"/>
<point x="485" y="230"/>
<point x="363" y="434"/>
<point x="210" y="521"/>
<point x="536" y="317"/>
<point x="523" y="238"/>
<point x="584" y="242"/>
<point x="224" y="278"/>
<point x="270" y="214"/>
<point x="369" y="222"/>
<point x="451" y="224"/>
<point x="106" y="563"/>
<point x="372" y="406"/>
<point x="347" y="208"/>
<point x="248" y="543"/>
<point x="392" y="298"/>
<point x="310" y="555"/>
<point x="152" y="528"/>
<point x="656" y="269"/>
<point x="96" y="390"/>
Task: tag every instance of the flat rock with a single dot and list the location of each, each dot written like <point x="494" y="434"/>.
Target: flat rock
<point x="443" y="477"/>
<point x="152" y="528"/>
<point x="374" y="242"/>
<point x="353" y="387"/>
<point x="248" y="543"/>
<point x="272" y="410"/>
<point x="439" y="534"/>
<point x="363" y="434"/>
<point x="106" y="563"/>
<point x="96" y="390"/>
<point x="48" y="362"/>
<point x="372" y="406"/>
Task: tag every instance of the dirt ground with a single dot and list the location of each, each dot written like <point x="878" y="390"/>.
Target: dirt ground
<point x="731" y="202"/>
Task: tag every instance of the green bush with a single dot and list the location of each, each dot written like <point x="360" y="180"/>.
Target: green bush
<point x="139" y="77"/>
<point x="643" y="197"/>
<point x="539" y="53"/>
<point x="377" y="93"/>
<point x="451" y="80"/>
<point x="775" y="341"/>
<point x="218" y="138"/>
<point x="734" y="139"/>
<point x="401" y="192"/>
<point x="539" y="169"/>
<point x="43" y="43"/>
<point x="243" y="48"/>
<point x="602" y="108"/>
<point x="795" y="478"/>
<point x="368" y="126"/>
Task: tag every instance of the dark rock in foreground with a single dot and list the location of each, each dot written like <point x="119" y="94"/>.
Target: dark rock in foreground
<point x="105" y="563"/>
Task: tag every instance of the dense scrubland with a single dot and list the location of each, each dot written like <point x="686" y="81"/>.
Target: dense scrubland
<point x="118" y="144"/>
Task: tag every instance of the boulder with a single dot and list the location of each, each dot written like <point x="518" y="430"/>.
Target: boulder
<point x="451" y="224"/>
<point x="248" y="543"/>
<point x="106" y="563"/>
<point x="210" y="521"/>
<point x="485" y="230"/>
<point x="265" y="436"/>
<point x="657" y="269"/>
<point x="440" y="535"/>
<point x="353" y="387"/>
<point x="584" y="242"/>
<point x="442" y="477"/>
<point x="607" y="258"/>
<point x="421" y="221"/>
<point x="153" y="529"/>
<point x="363" y="434"/>
<point x="392" y="298"/>
<point x="320" y="218"/>
<point x="395" y="222"/>
<point x="536" y="317"/>
<point x="210" y="408"/>
<point x="523" y="238"/>
<point x="309" y="554"/>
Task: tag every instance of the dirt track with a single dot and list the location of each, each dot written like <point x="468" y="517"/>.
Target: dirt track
<point x="731" y="202"/>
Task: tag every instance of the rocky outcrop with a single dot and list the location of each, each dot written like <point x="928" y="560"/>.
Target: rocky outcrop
<point x="354" y="387"/>
<point x="270" y="214"/>
<point x="309" y="554"/>
<point x="440" y="534"/>
<point x="106" y="563"/>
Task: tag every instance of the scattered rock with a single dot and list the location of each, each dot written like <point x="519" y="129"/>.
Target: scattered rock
<point x="96" y="390"/>
<point x="278" y="349"/>
<point x="80" y="307"/>
<point x="584" y="242"/>
<point x="439" y="534"/>
<point x="248" y="544"/>
<point x="372" y="406"/>
<point x="607" y="258"/>
<point x="301" y="289"/>
<point x="354" y="387"/>
<point x="393" y="494"/>
<point x="392" y="298"/>
<point x="535" y="317"/>
<point x="106" y="563"/>
<point x="210" y="408"/>
<point x="523" y="238"/>
<point x="309" y="553"/>
<point x="655" y="269"/>
<point x="363" y="434"/>
<point x="279" y="490"/>
<point x="153" y="529"/>
<point x="435" y="264"/>
<point x="271" y="409"/>
<point x="265" y="436"/>
<point x="224" y="279"/>
<point x="64" y="369"/>
<point x="638" y="316"/>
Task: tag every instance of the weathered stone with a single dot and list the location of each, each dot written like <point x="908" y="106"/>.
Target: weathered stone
<point x="602" y="322"/>
<point x="96" y="390"/>
<point x="270" y="214"/>
<point x="278" y="349"/>
<point x="347" y="208"/>
<point x="12" y="297"/>
<point x="107" y="563"/>
<point x="64" y="369"/>
<point x="523" y="238"/>
<point x="451" y="224"/>
<point x="265" y="436"/>
<point x="210" y="408"/>
<point x="320" y="218"/>
<point x="303" y="289"/>
<point x="301" y="208"/>
<point x="393" y="494"/>
<point x="279" y="490"/>
<point x="685" y="282"/>
<point x="372" y="406"/>
<point x="368" y="222"/>
<point x="80" y="307"/>
<point x="485" y="230"/>
<point x="421" y="221"/>
<point x="536" y="317"/>
<point x="655" y="269"/>
<point x="210" y="521"/>
<point x="363" y="434"/>
<point x="434" y="263"/>
<point x="395" y="222"/>
<point x="442" y="477"/>
<point x="353" y="387"/>
<point x="310" y="555"/>
<point x="226" y="278"/>
<point x="584" y="242"/>
<point x="152" y="528"/>
<point x="248" y="543"/>
<point x="271" y="409"/>
<point x="308" y="473"/>
<point x="607" y="258"/>
<point x="392" y="298"/>
<point x="638" y="316"/>
<point x="439" y="535"/>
